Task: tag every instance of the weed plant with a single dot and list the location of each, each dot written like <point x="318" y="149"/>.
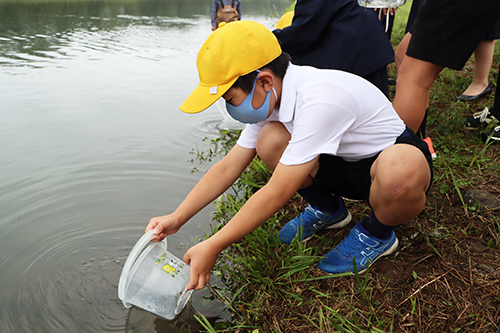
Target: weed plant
<point x="445" y="276"/>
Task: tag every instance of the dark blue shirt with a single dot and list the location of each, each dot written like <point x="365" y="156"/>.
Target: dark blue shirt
<point x="336" y="34"/>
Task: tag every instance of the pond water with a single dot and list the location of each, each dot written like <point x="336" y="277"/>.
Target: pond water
<point x="92" y="146"/>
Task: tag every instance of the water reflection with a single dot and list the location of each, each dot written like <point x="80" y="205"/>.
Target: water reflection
<point x="34" y="32"/>
<point x="92" y="25"/>
<point x="139" y="320"/>
<point x="93" y="145"/>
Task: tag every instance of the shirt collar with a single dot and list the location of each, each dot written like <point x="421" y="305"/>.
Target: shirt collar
<point x="288" y="94"/>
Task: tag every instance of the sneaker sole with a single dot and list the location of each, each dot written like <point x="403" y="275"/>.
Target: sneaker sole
<point x="342" y="223"/>
<point x="492" y="139"/>
<point x="482" y="124"/>
<point x="390" y="250"/>
<point x="337" y="225"/>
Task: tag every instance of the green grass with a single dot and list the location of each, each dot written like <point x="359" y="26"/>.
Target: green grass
<point x="444" y="276"/>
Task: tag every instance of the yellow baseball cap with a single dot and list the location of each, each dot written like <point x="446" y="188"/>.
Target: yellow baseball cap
<point x="285" y="20"/>
<point x="234" y="49"/>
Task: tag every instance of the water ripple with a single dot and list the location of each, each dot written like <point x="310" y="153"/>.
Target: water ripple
<point x="93" y="146"/>
<point x="37" y="50"/>
<point x="65" y="288"/>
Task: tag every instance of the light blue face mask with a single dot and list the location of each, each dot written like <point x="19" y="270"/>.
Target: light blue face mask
<point x="246" y="113"/>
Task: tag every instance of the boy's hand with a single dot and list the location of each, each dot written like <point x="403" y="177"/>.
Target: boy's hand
<point x="163" y="226"/>
<point x="202" y="258"/>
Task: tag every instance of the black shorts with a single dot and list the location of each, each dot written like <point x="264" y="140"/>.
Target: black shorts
<point x="446" y="32"/>
<point x="352" y="179"/>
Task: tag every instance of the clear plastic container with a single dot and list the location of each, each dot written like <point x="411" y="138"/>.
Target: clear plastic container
<point x="153" y="279"/>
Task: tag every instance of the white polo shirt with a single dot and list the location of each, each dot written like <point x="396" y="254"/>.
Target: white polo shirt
<point x="330" y="112"/>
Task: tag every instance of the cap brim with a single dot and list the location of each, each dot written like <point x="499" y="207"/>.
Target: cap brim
<point x="201" y="97"/>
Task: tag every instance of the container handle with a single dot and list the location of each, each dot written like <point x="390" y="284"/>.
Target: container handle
<point x="132" y="257"/>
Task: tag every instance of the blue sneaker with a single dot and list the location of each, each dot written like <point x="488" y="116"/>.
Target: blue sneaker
<point x="311" y="220"/>
<point x="365" y="249"/>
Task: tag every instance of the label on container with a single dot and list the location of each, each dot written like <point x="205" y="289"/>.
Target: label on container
<point x="173" y="265"/>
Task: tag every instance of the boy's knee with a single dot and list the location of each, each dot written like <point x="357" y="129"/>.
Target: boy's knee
<point x="400" y="189"/>
<point x="402" y="171"/>
<point x="271" y="143"/>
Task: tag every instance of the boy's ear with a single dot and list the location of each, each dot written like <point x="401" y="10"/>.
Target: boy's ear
<point x="266" y="80"/>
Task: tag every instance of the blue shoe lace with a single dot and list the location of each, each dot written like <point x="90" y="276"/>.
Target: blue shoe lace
<point x="310" y="221"/>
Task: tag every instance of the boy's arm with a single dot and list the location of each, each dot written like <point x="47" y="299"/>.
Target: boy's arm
<point x="215" y="182"/>
<point x="284" y="183"/>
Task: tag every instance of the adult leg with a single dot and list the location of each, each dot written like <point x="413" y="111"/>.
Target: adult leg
<point x="413" y="86"/>
<point x="483" y="58"/>
<point x="487" y="115"/>
<point x="494" y="115"/>
<point x="400" y="52"/>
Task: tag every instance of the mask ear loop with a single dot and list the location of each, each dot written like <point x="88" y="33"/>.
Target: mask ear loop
<point x="274" y="90"/>
<point x="275" y="97"/>
<point x="254" y="84"/>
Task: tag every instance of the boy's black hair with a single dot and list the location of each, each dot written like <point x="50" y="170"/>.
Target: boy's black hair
<point x="278" y="66"/>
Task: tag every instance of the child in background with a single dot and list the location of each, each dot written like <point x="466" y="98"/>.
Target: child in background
<point x="224" y="11"/>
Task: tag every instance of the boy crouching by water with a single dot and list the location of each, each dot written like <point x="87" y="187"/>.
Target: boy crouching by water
<point x="323" y="133"/>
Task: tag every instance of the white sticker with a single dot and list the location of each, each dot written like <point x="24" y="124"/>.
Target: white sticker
<point x="213" y="90"/>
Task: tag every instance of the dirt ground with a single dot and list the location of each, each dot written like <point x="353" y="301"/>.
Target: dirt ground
<point x="445" y="276"/>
